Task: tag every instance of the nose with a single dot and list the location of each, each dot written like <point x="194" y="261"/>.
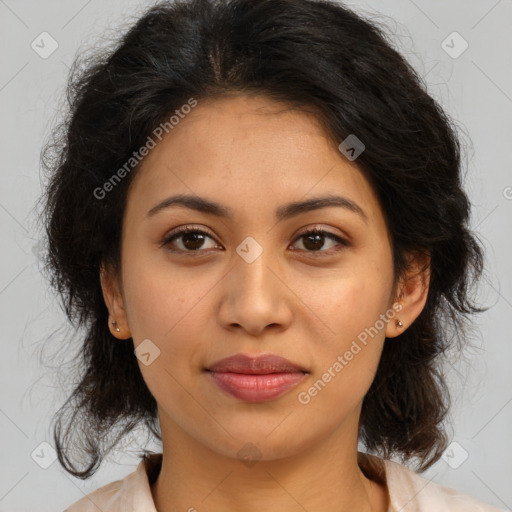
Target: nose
<point x="256" y="296"/>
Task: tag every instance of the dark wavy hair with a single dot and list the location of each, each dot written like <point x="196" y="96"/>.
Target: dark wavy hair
<point x="306" y="53"/>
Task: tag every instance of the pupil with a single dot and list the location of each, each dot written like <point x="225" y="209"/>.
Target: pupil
<point x="196" y="237"/>
<point x="319" y="241"/>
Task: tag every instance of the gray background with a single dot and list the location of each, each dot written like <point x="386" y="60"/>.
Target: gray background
<point x="476" y="90"/>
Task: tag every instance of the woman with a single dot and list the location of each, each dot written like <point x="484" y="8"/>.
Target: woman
<point x="255" y="211"/>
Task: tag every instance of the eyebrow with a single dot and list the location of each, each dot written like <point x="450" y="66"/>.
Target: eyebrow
<point x="283" y="212"/>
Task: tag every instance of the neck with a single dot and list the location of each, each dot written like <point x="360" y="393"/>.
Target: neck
<point x="324" y="477"/>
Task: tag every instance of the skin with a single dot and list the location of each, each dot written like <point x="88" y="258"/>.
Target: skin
<point x="253" y="155"/>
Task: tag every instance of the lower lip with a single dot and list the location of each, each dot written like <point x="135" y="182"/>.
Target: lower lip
<point x="256" y="388"/>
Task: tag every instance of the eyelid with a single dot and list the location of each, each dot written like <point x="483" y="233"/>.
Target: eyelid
<point x="320" y="228"/>
<point x="191" y="227"/>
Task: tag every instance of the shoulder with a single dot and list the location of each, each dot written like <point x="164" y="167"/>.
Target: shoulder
<point x="102" y="499"/>
<point x="410" y="492"/>
<point x="133" y="492"/>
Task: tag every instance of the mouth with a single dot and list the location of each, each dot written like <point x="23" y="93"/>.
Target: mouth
<point x="256" y="379"/>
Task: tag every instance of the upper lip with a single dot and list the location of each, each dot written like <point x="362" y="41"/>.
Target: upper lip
<point x="259" y="365"/>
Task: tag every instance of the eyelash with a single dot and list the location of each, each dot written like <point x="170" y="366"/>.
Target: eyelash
<point x="188" y="229"/>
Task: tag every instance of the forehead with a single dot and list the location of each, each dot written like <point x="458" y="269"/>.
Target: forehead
<point x="249" y="151"/>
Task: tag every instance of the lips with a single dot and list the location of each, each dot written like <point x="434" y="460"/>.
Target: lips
<point x="256" y="379"/>
<point x="265" y="364"/>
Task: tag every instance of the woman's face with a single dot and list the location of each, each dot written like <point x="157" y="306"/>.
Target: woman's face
<point x="254" y="284"/>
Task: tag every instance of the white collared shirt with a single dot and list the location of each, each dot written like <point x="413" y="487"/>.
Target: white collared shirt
<point x="408" y="492"/>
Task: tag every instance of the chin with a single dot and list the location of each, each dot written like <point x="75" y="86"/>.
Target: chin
<point x="262" y="444"/>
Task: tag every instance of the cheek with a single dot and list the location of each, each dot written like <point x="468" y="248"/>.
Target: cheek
<point x="157" y="298"/>
<point x="361" y="302"/>
<point x="160" y="308"/>
<point x="171" y="309"/>
<point x="353" y="307"/>
<point x="345" y="366"/>
<point x="350" y="303"/>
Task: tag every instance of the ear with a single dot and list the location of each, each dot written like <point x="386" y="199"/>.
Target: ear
<point x="115" y="303"/>
<point x="412" y="292"/>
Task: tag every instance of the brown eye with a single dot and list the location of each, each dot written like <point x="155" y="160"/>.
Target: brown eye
<point x="189" y="240"/>
<point x="314" y="240"/>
